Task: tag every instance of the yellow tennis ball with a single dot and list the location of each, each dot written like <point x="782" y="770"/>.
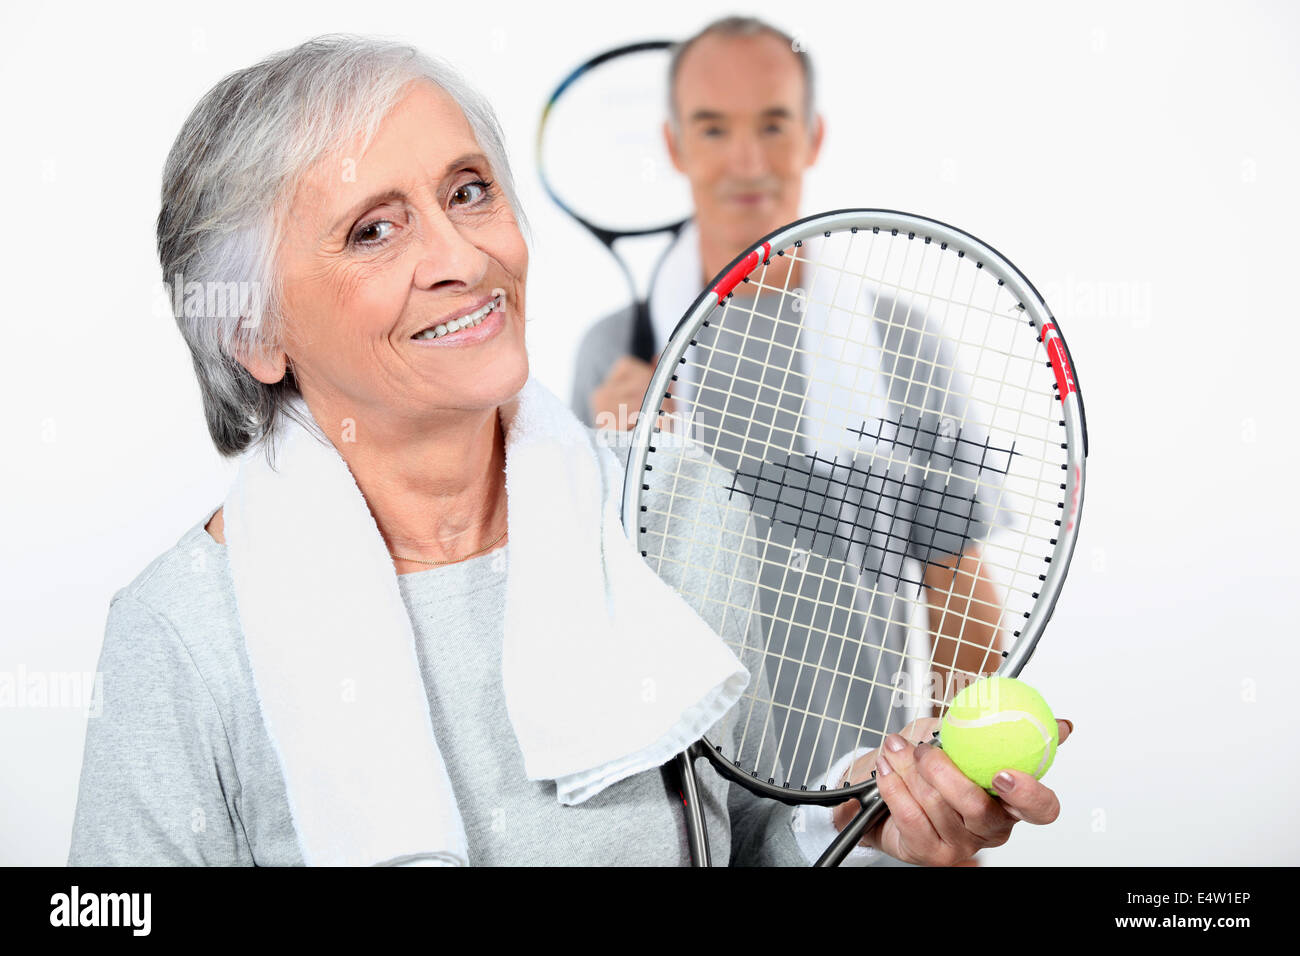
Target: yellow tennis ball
<point x="999" y="723"/>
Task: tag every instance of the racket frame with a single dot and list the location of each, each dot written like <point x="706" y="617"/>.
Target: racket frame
<point x="1056" y="355"/>
<point x="642" y="341"/>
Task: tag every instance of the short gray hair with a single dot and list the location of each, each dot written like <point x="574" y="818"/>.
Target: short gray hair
<point x="227" y="184"/>
<point x="741" y="27"/>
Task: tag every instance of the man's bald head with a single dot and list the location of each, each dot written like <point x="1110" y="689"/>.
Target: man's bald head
<point x="734" y="28"/>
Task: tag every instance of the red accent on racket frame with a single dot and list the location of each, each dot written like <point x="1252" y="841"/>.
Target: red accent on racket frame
<point x="740" y="270"/>
<point x="1060" y="361"/>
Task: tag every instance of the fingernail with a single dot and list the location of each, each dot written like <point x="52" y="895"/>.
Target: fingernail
<point x="1069" y="723"/>
<point x="895" y="743"/>
<point x="1004" y="782"/>
<point x="883" y="767"/>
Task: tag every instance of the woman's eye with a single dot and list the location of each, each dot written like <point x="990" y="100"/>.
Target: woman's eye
<point x="370" y="234"/>
<point x="470" y="193"/>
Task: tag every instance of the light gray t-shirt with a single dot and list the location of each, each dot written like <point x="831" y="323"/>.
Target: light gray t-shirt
<point x="179" y="769"/>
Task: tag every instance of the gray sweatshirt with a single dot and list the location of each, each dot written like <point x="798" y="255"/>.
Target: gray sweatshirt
<point x="179" y="769"/>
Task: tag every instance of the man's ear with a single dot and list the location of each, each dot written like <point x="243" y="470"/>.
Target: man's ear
<point x="670" y="141"/>
<point x="818" y="134"/>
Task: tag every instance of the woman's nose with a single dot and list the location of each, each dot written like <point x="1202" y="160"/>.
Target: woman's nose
<point x="448" y="256"/>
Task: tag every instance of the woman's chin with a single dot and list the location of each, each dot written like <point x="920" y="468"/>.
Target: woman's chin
<point x="486" y="387"/>
<point x="511" y="378"/>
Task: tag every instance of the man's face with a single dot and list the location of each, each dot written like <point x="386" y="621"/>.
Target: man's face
<point x="742" y="138"/>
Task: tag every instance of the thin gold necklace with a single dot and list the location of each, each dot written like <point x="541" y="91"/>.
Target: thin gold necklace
<point x="454" y="560"/>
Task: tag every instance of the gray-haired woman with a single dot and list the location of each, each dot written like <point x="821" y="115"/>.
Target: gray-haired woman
<point x="339" y="665"/>
<point x="348" y="207"/>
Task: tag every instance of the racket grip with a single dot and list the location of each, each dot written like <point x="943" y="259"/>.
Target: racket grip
<point x="697" y="835"/>
<point x="643" y="334"/>
<point x="874" y="809"/>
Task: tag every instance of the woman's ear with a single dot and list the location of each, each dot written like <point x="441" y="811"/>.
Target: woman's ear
<point x="266" y="368"/>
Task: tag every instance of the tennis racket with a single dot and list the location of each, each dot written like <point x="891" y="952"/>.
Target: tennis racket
<point x="862" y="457"/>
<point x="602" y="160"/>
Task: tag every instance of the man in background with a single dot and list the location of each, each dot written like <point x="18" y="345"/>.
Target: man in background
<point x="743" y="130"/>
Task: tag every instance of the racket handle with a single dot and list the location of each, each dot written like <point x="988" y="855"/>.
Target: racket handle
<point x="696" y="834"/>
<point x="874" y="809"/>
<point x="642" y="345"/>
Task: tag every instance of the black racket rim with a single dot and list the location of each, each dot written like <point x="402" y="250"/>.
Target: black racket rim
<point x="606" y="235"/>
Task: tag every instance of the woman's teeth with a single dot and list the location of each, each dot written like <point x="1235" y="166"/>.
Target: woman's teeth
<point x="464" y="322"/>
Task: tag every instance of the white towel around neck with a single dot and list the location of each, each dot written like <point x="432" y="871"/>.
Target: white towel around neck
<point x="607" y="671"/>
<point x="678" y="281"/>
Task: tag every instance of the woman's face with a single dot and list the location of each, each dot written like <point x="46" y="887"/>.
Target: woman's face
<point x="379" y="247"/>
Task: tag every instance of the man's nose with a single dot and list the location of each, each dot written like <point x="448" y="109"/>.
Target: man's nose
<point x="746" y="157"/>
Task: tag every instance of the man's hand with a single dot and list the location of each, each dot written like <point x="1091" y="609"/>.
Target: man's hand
<point x="616" y="402"/>
<point x="938" y="817"/>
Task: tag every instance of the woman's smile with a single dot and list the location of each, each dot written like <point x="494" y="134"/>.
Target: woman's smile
<point x="468" y="327"/>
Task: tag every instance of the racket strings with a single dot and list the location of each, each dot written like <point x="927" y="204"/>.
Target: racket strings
<point x="898" y="499"/>
<point x="875" y="592"/>
<point x="1053" y="463"/>
<point x="801" y="667"/>
<point x="684" y="588"/>
<point x="879" y="484"/>
<point x="741" y="379"/>
<point x="968" y="308"/>
<point x="743" y="744"/>
<point x="959" y="421"/>
<point x="789" y="620"/>
<point x="805" y="663"/>
<point x="806" y="712"/>
<point x="903" y="483"/>
<point x="1046" y="418"/>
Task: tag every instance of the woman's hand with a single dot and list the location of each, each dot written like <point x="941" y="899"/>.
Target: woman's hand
<point x="938" y="817"/>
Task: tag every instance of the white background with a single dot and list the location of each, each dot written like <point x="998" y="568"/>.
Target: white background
<point x="1137" y="161"/>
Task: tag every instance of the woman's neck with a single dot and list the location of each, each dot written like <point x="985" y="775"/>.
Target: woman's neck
<point x="436" y="490"/>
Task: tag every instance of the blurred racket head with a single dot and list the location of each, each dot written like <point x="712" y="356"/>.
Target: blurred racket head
<point x="600" y="149"/>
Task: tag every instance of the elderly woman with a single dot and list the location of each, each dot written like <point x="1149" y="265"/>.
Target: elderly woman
<point x="340" y="665"/>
